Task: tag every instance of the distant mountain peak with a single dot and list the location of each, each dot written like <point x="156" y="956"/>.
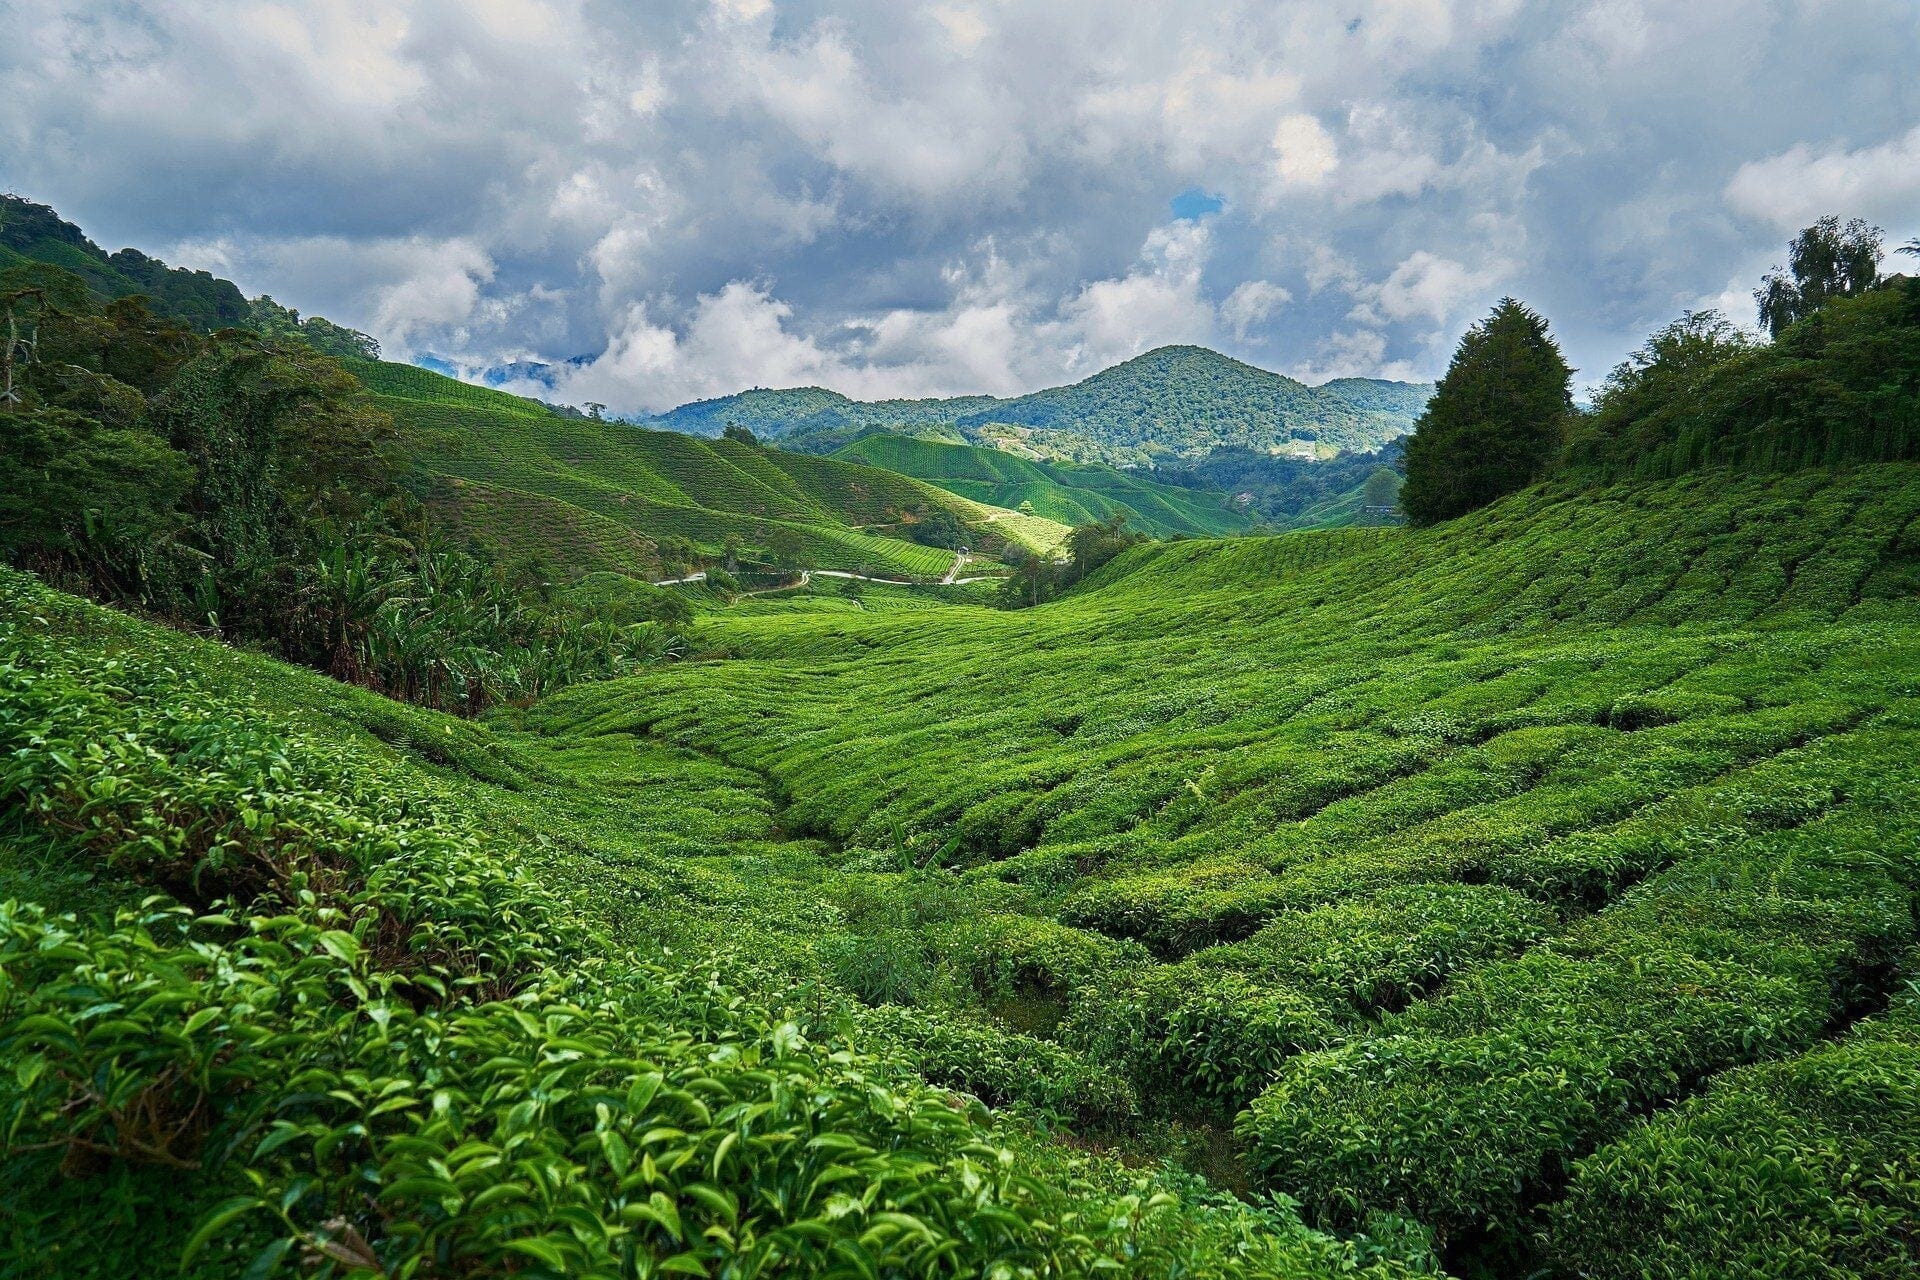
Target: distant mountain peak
<point x="1173" y="402"/>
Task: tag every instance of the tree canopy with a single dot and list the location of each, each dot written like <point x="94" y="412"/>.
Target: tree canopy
<point x="1826" y="261"/>
<point x="1495" y="421"/>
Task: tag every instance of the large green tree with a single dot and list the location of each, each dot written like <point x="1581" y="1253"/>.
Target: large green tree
<point x="1494" y="422"/>
<point x="1826" y="261"/>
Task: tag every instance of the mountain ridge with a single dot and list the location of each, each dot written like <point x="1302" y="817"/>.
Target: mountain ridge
<point x="1173" y="402"/>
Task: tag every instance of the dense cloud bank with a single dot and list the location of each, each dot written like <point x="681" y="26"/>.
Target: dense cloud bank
<point x="904" y="200"/>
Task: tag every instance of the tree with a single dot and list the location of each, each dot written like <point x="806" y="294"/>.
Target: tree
<point x="736" y="432"/>
<point x="787" y="547"/>
<point x="1827" y="261"/>
<point x="1382" y="488"/>
<point x="939" y="528"/>
<point x="71" y="485"/>
<point x="1495" y="420"/>
<point x="1655" y="395"/>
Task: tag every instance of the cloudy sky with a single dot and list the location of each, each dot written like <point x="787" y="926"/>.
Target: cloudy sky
<point x="896" y="198"/>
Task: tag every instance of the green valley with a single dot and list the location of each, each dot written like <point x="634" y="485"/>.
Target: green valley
<point x="397" y="879"/>
<point x="595" y="495"/>
<point x="1068" y="493"/>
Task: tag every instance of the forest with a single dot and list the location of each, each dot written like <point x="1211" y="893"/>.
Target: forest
<point x="396" y="879"/>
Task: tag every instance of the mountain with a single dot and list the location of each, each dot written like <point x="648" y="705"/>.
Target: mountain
<point x="1173" y="403"/>
<point x="1531" y="893"/>
<point x="32" y="232"/>
<point x="1070" y="493"/>
<point x="1375" y="395"/>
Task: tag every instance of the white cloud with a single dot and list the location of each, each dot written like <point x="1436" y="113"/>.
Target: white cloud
<point x="999" y="332"/>
<point x="1303" y="153"/>
<point x="741" y="10"/>
<point x="650" y="93"/>
<point x="438" y="290"/>
<point x="1351" y="353"/>
<point x="1802" y="183"/>
<point x="1252" y="303"/>
<point x="964" y="26"/>
<point x="1425" y="287"/>
<point x="961" y="196"/>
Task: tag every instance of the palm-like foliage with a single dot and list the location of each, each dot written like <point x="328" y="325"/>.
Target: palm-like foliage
<point x="446" y="629"/>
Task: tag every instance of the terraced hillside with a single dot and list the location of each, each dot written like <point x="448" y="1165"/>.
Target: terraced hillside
<point x="598" y="495"/>
<point x="1539" y="877"/>
<point x="1070" y="494"/>
<point x="1541" y="887"/>
<point x="297" y="980"/>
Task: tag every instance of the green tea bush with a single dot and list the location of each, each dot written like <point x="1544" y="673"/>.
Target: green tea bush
<point x="384" y="1053"/>
<point x="1795" y="1168"/>
<point x="1464" y="1109"/>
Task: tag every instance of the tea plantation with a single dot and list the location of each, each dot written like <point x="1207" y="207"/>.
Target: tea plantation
<point x="1516" y="877"/>
<point x="1531" y="894"/>
<point x="444" y="1034"/>
<point x="590" y="495"/>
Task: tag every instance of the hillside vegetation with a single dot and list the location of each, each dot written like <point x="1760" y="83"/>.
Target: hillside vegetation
<point x="1581" y="827"/>
<point x="412" y="1014"/>
<point x="1458" y="859"/>
<point x="34" y="234"/>
<point x="1069" y="494"/>
<point x="595" y="495"/>
<point x="1169" y="404"/>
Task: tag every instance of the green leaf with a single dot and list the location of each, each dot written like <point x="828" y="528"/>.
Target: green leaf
<point x="548" y="1249"/>
<point x="267" y="1261"/>
<point x="216" y="1220"/>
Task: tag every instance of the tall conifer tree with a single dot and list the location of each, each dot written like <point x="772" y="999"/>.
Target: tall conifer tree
<point x="1495" y="420"/>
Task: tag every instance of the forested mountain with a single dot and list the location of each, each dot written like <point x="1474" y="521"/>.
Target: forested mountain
<point x="579" y="495"/>
<point x="1173" y="403"/>
<point x="34" y="233"/>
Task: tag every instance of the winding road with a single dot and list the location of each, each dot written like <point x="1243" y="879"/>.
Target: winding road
<point x="952" y="579"/>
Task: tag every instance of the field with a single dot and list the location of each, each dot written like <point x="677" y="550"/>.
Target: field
<point x="1537" y="890"/>
<point x="592" y="495"/>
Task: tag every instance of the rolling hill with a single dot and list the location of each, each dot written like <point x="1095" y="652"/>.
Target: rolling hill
<point x="34" y="233"/>
<point x="1171" y="403"/>
<point x="591" y="495"/>
<point x="1529" y="893"/>
<point x="582" y="494"/>
<point x="1069" y="493"/>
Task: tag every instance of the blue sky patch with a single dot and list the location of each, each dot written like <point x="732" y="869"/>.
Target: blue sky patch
<point x="1194" y="204"/>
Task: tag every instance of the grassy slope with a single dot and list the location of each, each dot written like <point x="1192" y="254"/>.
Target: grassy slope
<point x="1069" y="494"/>
<point x="595" y="495"/>
<point x="1451" y="852"/>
